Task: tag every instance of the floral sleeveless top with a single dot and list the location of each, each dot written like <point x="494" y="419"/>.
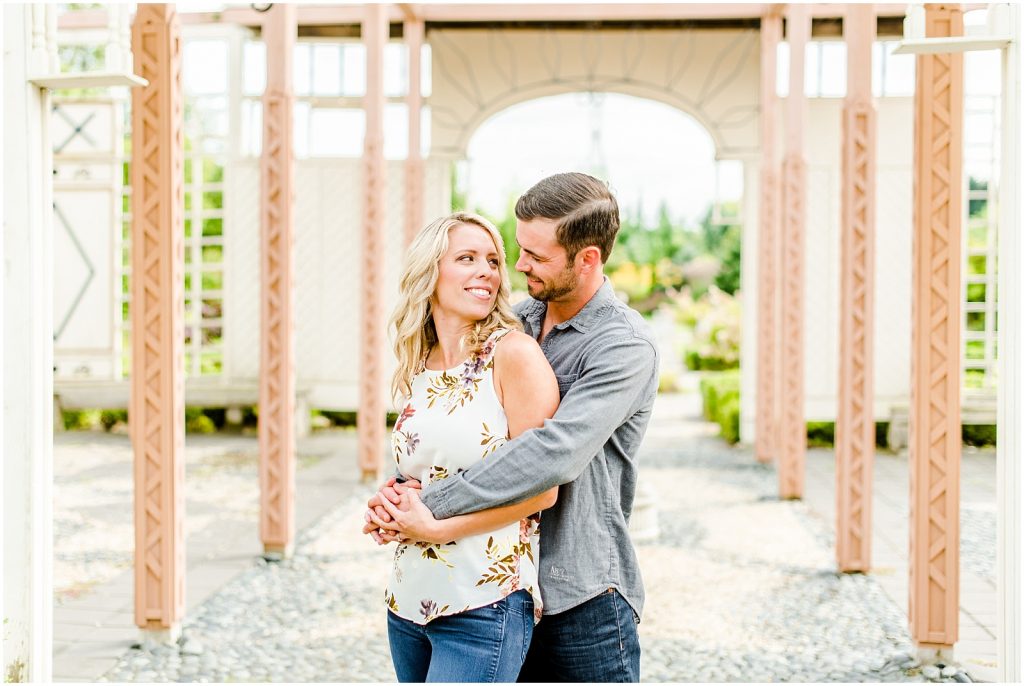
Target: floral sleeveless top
<point x="452" y="420"/>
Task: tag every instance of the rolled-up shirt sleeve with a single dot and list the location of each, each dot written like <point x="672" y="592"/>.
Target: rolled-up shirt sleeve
<point x="616" y="379"/>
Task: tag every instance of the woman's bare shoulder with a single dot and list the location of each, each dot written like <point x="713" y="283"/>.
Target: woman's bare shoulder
<point x="518" y="347"/>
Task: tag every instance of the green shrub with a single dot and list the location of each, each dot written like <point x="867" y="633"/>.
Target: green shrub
<point x="721" y="399"/>
<point x="882" y="435"/>
<point x="81" y="420"/>
<point x="110" y="418"/>
<point x="715" y="320"/>
<point x="729" y="418"/>
<point x="668" y="382"/>
<point x="821" y="434"/>
<point x="200" y="424"/>
<point x="979" y="434"/>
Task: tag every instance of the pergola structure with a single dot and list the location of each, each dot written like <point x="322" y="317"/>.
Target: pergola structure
<point x="779" y="144"/>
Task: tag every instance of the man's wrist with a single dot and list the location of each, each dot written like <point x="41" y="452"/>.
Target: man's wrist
<point x="433" y="496"/>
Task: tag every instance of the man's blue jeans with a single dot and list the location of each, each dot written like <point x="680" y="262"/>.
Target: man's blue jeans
<point x="484" y="645"/>
<point x="593" y="642"/>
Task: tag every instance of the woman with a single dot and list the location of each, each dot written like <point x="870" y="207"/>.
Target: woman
<point x="463" y="596"/>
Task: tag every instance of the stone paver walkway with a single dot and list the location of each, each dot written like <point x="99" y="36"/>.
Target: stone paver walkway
<point x="740" y="586"/>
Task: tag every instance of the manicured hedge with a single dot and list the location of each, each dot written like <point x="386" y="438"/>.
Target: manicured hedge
<point x="721" y="394"/>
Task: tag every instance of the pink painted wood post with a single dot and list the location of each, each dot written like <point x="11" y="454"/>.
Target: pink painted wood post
<point x="370" y="418"/>
<point x="277" y="329"/>
<point x="855" y="421"/>
<point x="935" y="439"/>
<point x="792" y="426"/>
<point x="768" y="247"/>
<point x="157" y="403"/>
<point x="414" y="167"/>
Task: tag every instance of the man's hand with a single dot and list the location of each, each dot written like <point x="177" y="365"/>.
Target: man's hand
<point x="392" y="491"/>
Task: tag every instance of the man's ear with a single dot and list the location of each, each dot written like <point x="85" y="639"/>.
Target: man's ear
<point x="589" y="259"/>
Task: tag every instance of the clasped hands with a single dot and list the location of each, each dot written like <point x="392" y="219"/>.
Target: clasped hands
<point x="396" y="514"/>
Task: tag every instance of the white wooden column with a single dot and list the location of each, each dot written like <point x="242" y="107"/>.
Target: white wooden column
<point x="1010" y="450"/>
<point x="27" y="429"/>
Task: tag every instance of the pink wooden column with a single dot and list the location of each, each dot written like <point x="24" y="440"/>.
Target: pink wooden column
<point x="768" y="246"/>
<point x="792" y="426"/>
<point x="370" y="418"/>
<point x="277" y="329"/>
<point x="414" y="168"/>
<point x="855" y="420"/>
<point x="935" y="439"/>
<point x="157" y="404"/>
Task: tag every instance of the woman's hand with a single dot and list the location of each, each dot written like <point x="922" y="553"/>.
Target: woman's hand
<point x="411" y="520"/>
<point x="391" y="490"/>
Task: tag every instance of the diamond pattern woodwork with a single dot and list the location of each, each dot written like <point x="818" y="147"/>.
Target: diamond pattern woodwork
<point x="157" y="404"/>
<point x="370" y="418"/>
<point x="792" y="426"/>
<point x="855" y="421"/>
<point x="277" y="342"/>
<point x="792" y="438"/>
<point x="935" y="361"/>
<point x="768" y="247"/>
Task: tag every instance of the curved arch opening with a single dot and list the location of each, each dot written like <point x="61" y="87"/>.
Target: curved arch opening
<point x="653" y="154"/>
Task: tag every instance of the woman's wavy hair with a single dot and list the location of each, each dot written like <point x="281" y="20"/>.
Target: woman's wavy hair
<point x="412" y="323"/>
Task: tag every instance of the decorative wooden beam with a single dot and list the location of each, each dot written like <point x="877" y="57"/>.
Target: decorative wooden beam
<point x="157" y="404"/>
<point x="313" y="15"/>
<point x="768" y="248"/>
<point x="371" y="415"/>
<point x="855" y="421"/>
<point x="277" y="286"/>
<point x="792" y="426"/>
<point x="935" y="439"/>
<point x="414" y="167"/>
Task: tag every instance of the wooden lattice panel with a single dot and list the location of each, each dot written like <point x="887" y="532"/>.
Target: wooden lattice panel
<point x="157" y="380"/>
<point x="935" y="440"/>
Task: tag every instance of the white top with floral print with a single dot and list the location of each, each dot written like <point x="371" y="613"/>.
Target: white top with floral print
<point x="453" y="419"/>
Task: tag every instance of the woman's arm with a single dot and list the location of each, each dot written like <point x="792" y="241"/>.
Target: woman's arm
<point x="411" y="520"/>
<point x="528" y="391"/>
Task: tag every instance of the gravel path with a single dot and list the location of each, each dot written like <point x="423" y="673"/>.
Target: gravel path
<point x="740" y="587"/>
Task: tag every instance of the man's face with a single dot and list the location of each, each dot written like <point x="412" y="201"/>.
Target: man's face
<point x="549" y="274"/>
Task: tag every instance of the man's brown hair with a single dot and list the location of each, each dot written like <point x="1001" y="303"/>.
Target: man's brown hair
<point x="585" y="208"/>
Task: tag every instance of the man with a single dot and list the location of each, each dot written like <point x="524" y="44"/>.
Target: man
<point x="606" y="363"/>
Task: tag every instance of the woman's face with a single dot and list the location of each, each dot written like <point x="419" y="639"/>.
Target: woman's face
<point x="468" y="278"/>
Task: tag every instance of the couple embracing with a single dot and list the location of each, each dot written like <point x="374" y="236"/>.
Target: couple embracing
<point x="516" y="450"/>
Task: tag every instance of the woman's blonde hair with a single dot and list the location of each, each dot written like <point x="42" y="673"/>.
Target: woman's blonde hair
<point x="412" y="323"/>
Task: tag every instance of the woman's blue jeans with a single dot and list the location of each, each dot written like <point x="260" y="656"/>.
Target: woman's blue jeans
<point x="487" y="644"/>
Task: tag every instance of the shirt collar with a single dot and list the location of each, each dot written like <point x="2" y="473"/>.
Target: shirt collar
<point x="534" y="311"/>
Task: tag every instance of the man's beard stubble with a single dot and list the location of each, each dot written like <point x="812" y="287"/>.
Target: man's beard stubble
<point x="566" y="283"/>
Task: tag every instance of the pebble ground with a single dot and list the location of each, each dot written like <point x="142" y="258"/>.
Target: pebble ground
<point x="740" y="587"/>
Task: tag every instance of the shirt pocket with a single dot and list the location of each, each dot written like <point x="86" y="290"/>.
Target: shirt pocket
<point x="565" y="382"/>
